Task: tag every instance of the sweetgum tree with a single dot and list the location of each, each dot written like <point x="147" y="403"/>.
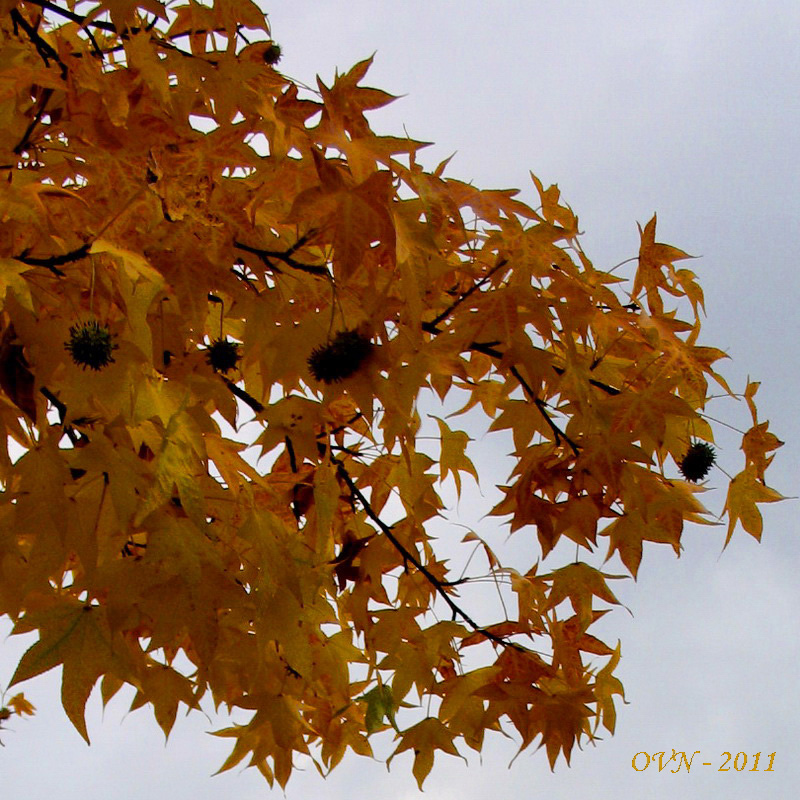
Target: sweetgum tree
<point x="187" y="236"/>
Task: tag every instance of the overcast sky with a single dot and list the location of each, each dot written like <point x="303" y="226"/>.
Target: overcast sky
<point x="688" y="109"/>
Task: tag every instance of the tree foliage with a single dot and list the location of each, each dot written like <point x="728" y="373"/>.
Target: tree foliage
<point x="187" y="236"/>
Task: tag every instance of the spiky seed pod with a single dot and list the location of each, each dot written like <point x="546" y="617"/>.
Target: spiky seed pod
<point x="90" y="345"/>
<point x="339" y="358"/>
<point x="223" y="355"/>
<point x="272" y="55"/>
<point x="697" y="462"/>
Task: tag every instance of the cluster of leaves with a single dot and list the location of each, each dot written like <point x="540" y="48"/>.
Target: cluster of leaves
<point x="140" y="545"/>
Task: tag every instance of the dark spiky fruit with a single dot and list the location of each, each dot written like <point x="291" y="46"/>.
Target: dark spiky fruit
<point x="341" y="357"/>
<point x="90" y="345"/>
<point x="223" y="355"/>
<point x="697" y="462"/>
<point x="272" y="55"/>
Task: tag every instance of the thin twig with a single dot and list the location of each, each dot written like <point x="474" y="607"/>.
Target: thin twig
<point x="245" y="279"/>
<point x="488" y="349"/>
<point x="542" y="406"/>
<point x="474" y="288"/>
<point x="110" y="27"/>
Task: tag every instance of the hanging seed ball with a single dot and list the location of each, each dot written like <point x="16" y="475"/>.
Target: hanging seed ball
<point x="697" y="461"/>
<point x="90" y="345"/>
<point x="223" y="355"/>
<point x="272" y="55"/>
<point x="341" y="357"/>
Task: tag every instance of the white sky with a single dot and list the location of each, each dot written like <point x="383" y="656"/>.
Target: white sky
<point x="688" y="109"/>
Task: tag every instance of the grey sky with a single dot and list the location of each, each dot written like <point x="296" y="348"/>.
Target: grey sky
<point x="690" y="109"/>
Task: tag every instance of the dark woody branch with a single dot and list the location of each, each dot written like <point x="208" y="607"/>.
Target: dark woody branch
<point x="45" y="50"/>
<point x="410" y="558"/>
<point x="474" y="288"/>
<point x="24" y="142"/>
<point x="246" y="398"/>
<point x="488" y="349"/>
<point x="267" y="257"/>
<point x="53" y="262"/>
<point x="110" y="28"/>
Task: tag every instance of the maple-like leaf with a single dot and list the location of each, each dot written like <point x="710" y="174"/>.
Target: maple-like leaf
<point x="579" y="582"/>
<point x="425" y="738"/>
<point x="606" y="686"/>
<point x="219" y="243"/>
<point x="746" y="491"/>
<point x="453" y="457"/>
<point x="20" y="705"/>
<point x="16" y="378"/>
<point x="655" y="271"/>
<point x="77" y="637"/>
<point x="380" y="707"/>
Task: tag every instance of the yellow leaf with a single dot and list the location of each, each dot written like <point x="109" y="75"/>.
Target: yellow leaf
<point x="424" y="739"/>
<point x="579" y="582"/>
<point x="165" y="688"/>
<point x="606" y="685"/>
<point x="326" y="502"/>
<point x="744" y="493"/>
<point x="135" y="264"/>
<point x="655" y="272"/>
<point x="20" y="705"/>
<point x="11" y="277"/>
<point x="76" y="636"/>
<point x="453" y="456"/>
<point x="756" y="443"/>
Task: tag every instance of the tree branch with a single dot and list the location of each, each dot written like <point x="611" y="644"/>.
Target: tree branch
<point x="110" y="27"/>
<point x="73" y="17"/>
<point x="489" y="350"/>
<point x="409" y="557"/>
<point x="44" y="49"/>
<point x="62" y="414"/>
<point x="474" y="288"/>
<point x="285" y="256"/>
<point x="25" y="140"/>
<point x="52" y="262"/>
<point x="243" y="395"/>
